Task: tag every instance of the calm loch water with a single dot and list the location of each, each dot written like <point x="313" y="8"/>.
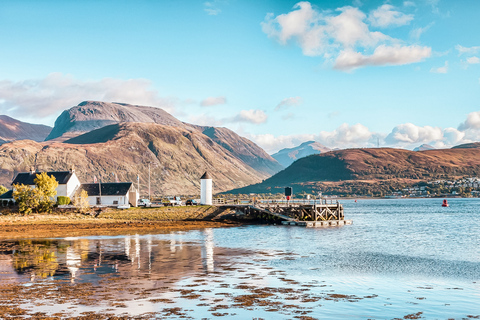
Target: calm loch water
<point x="406" y="259"/>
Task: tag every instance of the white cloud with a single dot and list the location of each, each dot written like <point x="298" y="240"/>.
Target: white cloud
<point x="466" y="50"/>
<point x="408" y="133"/>
<point x="452" y="137"/>
<point x="473" y="60"/>
<point x="386" y="16"/>
<point x="349" y="29"/>
<point x="272" y="144"/>
<point x="344" y="35"/>
<point x="211" y="8"/>
<point x="213" y="101"/>
<point x="472" y="122"/>
<point x="205" y="120"/>
<point x="409" y="4"/>
<point x="357" y="3"/>
<point x="244" y="116"/>
<point x="417" y="33"/>
<point x="383" y="55"/>
<point x="44" y="98"/>
<point x="289" y="102"/>
<point x="250" y="116"/>
<point x="345" y="135"/>
<point x="302" y="24"/>
<point x="443" y="69"/>
<point x="434" y="5"/>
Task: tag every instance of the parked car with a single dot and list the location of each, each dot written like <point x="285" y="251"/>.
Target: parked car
<point x="174" y="201"/>
<point x="144" y="203"/>
<point x="192" y="202"/>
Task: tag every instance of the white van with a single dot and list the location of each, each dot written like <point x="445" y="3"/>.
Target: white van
<point x="175" y="201"/>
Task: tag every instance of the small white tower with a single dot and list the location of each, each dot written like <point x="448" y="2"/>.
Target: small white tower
<point x="206" y="189"/>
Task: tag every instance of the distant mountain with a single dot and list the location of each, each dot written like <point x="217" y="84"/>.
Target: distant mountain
<point x="12" y="129"/>
<point x="102" y="139"/>
<point x="424" y="147"/>
<point x="91" y="115"/>
<point x="473" y="145"/>
<point x="288" y="155"/>
<point x="178" y="157"/>
<point x="369" y="171"/>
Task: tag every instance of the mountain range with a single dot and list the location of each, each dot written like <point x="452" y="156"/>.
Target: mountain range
<point x="120" y="141"/>
<point x="375" y="171"/>
<point x="107" y="139"/>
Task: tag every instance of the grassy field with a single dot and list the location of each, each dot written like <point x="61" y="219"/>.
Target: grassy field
<point x="111" y="221"/>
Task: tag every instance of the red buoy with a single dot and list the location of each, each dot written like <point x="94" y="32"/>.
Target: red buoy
<point x="445" y="203"/>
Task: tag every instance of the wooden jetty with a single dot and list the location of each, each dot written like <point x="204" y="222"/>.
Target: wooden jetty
<point x="309" y="214"/>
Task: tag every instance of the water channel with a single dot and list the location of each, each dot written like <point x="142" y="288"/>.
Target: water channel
<point x="406" y="259"/>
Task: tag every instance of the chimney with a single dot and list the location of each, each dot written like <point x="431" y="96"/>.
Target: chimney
<point x="32" y="170"/>
<point x="72" y="168"/>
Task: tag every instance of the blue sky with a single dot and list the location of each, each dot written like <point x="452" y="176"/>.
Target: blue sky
<point x="344" y="73"/>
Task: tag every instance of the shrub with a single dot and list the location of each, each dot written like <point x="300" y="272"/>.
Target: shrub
<point x="81" y="201"/>
<point x="61" y="200"/>
<point x="38" y="199"/>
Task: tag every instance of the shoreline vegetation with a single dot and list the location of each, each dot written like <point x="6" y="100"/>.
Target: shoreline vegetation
<point x="112" y="221"/>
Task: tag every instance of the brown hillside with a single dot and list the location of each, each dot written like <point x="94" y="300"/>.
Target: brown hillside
<point x="12" y="129"/>
<point x="473" y="145"/>
<point x="244" y="149"/>
<point x="92" y="115"/>
<point x="178" y="157"/>
<point x="389" y="168"/>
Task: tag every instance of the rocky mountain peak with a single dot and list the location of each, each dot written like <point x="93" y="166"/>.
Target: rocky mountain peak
<point x="288" y="155"/>
<point x="91" y="115"/>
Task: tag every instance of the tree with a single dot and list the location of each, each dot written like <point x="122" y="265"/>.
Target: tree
<point x="26" y="198"/>
<point x="47" y="187"/>
<point x="81" y="201"/>
<point x="2" y="190"/>
<point x="38" y="199"/>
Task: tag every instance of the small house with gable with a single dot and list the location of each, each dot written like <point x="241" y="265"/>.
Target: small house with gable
<point x="111" y="193"/>
<point x="68" y="182"/>
<point x="6" y="199"/>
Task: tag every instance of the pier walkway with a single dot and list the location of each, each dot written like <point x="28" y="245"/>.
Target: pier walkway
<point x="318" y="213"/>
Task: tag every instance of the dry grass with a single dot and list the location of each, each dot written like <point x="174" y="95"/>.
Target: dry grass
<point x="160" y="214"/>
<point x="110" y="221"/>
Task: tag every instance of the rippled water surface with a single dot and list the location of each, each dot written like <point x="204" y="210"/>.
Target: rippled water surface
<point x="407" y="259"/>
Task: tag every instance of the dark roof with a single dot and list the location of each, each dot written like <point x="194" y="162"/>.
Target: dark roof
<point x="27" y="178"/>
<point x="206" y="175"/>
<point x="108" y="188"/>
<point x="7" y="195"/>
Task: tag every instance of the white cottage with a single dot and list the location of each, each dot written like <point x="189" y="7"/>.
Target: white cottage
<point x="68" y="182"/>
<point x="111" y="193"/>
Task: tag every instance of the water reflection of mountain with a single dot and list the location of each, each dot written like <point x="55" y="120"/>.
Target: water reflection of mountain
<point x="138" y="258"/>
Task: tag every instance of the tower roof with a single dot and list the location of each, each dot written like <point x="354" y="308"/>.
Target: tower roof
<point x="206" y="175"/>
